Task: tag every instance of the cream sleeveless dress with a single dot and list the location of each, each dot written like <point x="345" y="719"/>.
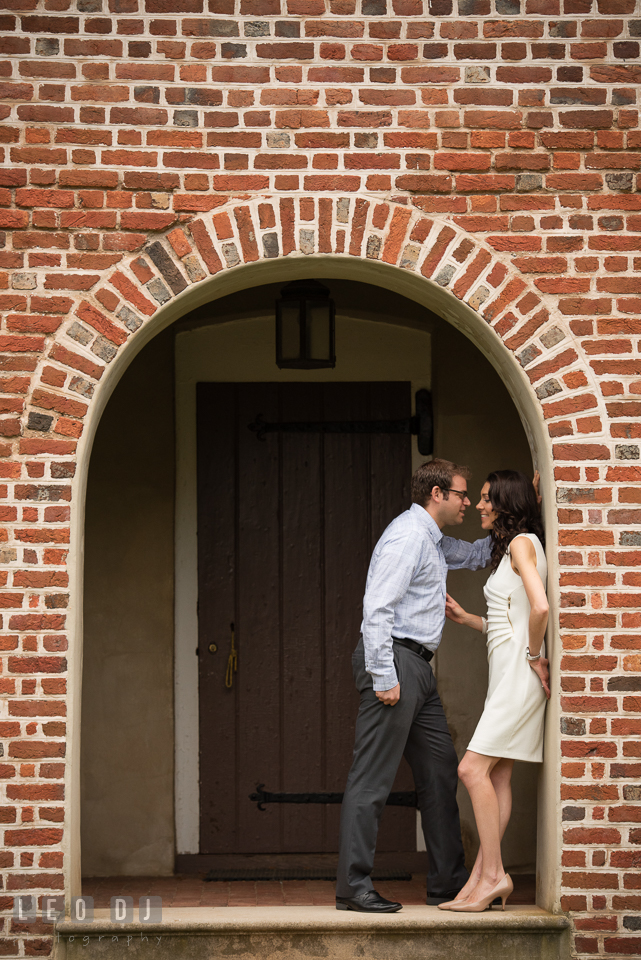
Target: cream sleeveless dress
<point x="512" y="721"/>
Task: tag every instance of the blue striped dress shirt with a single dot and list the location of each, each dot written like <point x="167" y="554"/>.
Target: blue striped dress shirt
<point x="405" y="592"/>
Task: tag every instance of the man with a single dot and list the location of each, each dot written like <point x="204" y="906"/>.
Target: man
<point x="400" y="710"/>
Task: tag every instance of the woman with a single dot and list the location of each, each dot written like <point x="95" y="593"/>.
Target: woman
<point x="511" y="727"/>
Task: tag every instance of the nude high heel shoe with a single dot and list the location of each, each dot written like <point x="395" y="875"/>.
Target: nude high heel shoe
<point x="451" y="903"/>
<point x="503" y="889"/>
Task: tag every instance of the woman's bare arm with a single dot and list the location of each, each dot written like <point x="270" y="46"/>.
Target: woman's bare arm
<point x="455" y="612"/>
<point x="524" y="563"/>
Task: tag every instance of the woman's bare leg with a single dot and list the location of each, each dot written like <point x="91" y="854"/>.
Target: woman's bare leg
<point x="475" y="876"/>
<point x="501" y="777"/>
<point x="488" y="782"/>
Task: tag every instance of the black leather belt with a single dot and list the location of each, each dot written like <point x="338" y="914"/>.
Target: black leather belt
<point x="419" y="648"/>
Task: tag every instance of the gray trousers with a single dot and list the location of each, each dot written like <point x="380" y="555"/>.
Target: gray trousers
<point x="414" y="727"/>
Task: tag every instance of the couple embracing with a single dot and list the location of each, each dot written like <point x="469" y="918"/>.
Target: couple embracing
<point x="400" y="713"/>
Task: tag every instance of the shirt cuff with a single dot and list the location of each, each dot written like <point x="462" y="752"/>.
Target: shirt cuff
<point x="384" y="681"/>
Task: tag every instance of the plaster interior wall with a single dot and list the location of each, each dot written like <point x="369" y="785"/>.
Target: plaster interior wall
<point x="128" y="721"/>
<point x="127" y="810"/>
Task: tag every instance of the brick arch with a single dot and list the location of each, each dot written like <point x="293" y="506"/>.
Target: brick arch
<point x="119" y="311"/>
<point x="134" y="294"/>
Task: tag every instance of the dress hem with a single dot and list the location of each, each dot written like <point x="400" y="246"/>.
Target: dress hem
<point x="504" y="756"/>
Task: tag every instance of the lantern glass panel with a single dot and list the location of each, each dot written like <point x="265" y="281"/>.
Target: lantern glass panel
<point x="318" y="330"/>
<point x="290" y="329"/>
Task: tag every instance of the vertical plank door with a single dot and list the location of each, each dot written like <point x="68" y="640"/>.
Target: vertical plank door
<point x="286" y="526"/>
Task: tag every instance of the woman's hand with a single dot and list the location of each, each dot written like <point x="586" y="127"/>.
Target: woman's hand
<point x="541" y="669"/>
<point x="454" y="611"/>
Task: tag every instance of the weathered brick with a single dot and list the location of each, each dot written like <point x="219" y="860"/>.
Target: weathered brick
<point x="516" y="120"/>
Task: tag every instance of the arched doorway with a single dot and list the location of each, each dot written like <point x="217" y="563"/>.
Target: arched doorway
<point x="382" y="337"/>
<point x="394" y="248"/>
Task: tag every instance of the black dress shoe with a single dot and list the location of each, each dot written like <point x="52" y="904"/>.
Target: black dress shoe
<point x="433" y="899"/>
<point x="370" y="902"/>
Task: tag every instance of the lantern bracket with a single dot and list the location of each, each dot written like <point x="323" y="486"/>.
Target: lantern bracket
<point x="420" y="425"/>
<point x="301" y="300"/>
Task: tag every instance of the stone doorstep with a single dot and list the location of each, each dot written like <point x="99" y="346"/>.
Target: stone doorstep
<point x="322" y="919"/>
<point x="304" y="933"/>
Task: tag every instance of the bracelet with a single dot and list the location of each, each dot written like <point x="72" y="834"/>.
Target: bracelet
<point x="529" y="657"/>
<point x="483" y="625"/>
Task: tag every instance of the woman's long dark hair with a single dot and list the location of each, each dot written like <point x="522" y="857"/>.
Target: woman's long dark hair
<point x="517" y="511"/>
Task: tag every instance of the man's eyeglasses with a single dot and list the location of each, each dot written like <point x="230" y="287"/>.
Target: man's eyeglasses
<point x="461" y="494"/>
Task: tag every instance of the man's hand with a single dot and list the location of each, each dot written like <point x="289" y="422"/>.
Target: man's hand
<point x="536" y="483"/>
<point x="390" y="697"/>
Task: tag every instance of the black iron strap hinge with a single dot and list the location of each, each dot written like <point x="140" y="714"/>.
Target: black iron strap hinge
<point x="420" y="425"/>
<point x="399" y="798"/>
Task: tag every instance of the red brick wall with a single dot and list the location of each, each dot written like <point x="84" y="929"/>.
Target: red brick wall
<point x="492" y="146"/>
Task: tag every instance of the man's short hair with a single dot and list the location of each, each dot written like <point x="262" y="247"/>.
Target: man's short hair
<point x="435" y="473"/>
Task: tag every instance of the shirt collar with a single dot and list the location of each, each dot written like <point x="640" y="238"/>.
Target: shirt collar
<point x="433" y="528"/>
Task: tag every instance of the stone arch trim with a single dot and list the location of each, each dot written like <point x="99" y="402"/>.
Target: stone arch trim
<point x="243" y="231"/>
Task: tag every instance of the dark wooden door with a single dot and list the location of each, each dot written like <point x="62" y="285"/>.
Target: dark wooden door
<point x="286" y="527"/>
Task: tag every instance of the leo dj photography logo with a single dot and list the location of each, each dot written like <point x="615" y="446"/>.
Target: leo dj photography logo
<point x="52" y="909"/>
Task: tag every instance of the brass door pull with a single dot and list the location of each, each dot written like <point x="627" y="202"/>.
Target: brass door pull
<point x="232" y="660"/>
<point x="213" y="648"/>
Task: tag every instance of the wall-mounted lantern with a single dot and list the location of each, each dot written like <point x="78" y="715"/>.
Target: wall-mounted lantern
<point x="305" y="326"/>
